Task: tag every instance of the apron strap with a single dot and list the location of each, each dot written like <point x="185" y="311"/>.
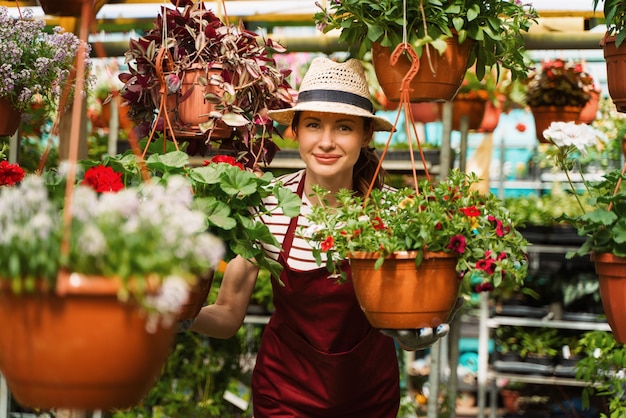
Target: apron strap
<point x="291" y="229"/>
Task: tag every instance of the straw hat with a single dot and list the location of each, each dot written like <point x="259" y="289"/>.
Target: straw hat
<point x="334" y="87"/>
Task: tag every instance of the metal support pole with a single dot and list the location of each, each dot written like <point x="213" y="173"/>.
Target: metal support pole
<point x="433" y="380"/>
<point x="483" y="353"/>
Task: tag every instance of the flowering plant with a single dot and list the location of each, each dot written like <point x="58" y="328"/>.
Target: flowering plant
<point x="444" y="216"/>
<point x="495" y="26"/>
<point x="129" y="234"/>
<point x="602" y="219"/>
<point x="559" y="83"/>
<point x="227" y="193"/>
<point x="34" y="63"/>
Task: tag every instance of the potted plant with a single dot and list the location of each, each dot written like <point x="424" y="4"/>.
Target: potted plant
<point x="223" y="189"/>
<point x="602" y="220"/>
<point x="472" y="100"/>
<point x="192" y="60"/>
<point x="540" y="346"/>
<point x="558" y="92"/>
<point x="489" y="31"/>
<point x="37" y="68"/>
<point x="602" y="367"/>
<point x="102" y="268"/>
<point x="614" y="14"/>
<point x="471" y="234"/>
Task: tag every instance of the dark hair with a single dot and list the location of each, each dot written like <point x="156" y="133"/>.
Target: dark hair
<point x="366" y="165"/>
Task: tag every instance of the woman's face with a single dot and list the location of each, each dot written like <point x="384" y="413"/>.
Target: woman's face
<point x="330" y="143"/>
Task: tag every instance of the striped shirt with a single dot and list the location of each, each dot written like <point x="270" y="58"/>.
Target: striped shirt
<point x="301" y="256"/>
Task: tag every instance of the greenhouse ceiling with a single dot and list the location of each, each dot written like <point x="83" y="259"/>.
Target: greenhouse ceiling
<point x="563" y="25"/>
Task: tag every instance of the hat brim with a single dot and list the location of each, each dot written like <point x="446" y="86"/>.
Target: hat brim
<point x="285" y="116"/>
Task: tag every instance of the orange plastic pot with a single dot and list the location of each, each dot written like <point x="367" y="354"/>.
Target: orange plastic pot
<point x="401" y="295"/>
<point x="439" y="85"/>
<point x="197" y="297"/>
<point x="615" y="67"/>
<point x="545" y="115"/>
<point x="80" y="347"/>
<point x="10" y="118"/>
<point x="193" y="108"/>
<point x="611" y="271"/>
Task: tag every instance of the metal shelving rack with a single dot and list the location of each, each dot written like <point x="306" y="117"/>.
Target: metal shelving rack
<point x="486" y="378"/>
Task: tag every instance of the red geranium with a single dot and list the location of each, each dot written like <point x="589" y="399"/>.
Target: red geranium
<point x="224" y="159"/>
<point x="10" y="173"/>
<point x="103" y="179"/>
<point x="327" y="244"/>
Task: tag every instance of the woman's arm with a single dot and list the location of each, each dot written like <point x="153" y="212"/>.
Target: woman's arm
<point x="225" y="316"/>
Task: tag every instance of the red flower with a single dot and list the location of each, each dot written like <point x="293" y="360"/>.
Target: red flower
<point x="499" y="229"/>
<point x="224" y="159"/>
<point x="470" y="211"/>
<point x="10" y="173"/>
<point x="484" y="287"/>
<point x="103" y="179"/>
<point x="457" y="244"/>
<point x="327" y="244"/>
<point x="488" y="265"/>
<point x="377" y="224"/>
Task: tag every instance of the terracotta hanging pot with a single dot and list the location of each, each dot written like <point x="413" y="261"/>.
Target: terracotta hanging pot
<point x="611" y="271"/>
<point x="83" y="350"/>
<point x="491" y="117"/>
<point x="10" y="118"/>
<point x="590" y="111"/>
<point x="615" y="69"/>
<point x="400" y="295"/>
<point x="474" y="109"/>
<point x="63" y="7"/>
<point x="545" y="115"/>
<point x="193" y="108"/>
<point x="197" y="297"/>
<point x="425" y="112"/>
<point x="427" y="86"/>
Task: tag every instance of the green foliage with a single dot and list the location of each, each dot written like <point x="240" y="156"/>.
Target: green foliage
<point x="542" y="210"/>
<point x="194" y="379"/>
<point x="539" y="342"/>
<point x="225" y="193"/>
<point x="495" y="26"/>
<point x="603" y="368"/>
<point x="615" y="16"/>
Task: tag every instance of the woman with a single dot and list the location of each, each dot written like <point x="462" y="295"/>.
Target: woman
<point x="319" y="357"/>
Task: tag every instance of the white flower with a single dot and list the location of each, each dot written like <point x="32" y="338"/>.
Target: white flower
<point x="172" y="295"/>
<point x="565" y="134"/>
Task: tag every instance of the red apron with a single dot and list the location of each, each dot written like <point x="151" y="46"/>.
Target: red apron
<point x="319" y="356"/>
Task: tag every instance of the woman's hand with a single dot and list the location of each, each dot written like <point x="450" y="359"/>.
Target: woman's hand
<point x="422" y="338"/>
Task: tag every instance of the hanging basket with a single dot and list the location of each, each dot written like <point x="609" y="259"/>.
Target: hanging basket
<point x="611" y="271"/>
<point x="427" y="86"/>
<point x="400" y="295"/>
<point x="491" y="117"/>
<point x="65" y="7"/>
<point x="545" y="115"/>
<point x="590" y="111"/>
<point x="425" y="112"/>
<point x="474" y="109"/>
<point x="10" y="118"/>
<point x="197" y="297"/>
<point x="83" y="350"/>
<point x="615" y="69"/>
<point x="192" y="106"/>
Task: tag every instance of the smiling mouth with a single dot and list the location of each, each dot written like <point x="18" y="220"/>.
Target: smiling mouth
<point x="326" y="158"/>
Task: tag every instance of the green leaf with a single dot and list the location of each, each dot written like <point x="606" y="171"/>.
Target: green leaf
<point x="234" y="119"/>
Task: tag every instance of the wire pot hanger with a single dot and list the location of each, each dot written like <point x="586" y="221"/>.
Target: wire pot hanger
<point x="405" y="104"/>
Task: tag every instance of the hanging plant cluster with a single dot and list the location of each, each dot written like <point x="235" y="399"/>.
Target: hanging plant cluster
<point x="238" y="79"/>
